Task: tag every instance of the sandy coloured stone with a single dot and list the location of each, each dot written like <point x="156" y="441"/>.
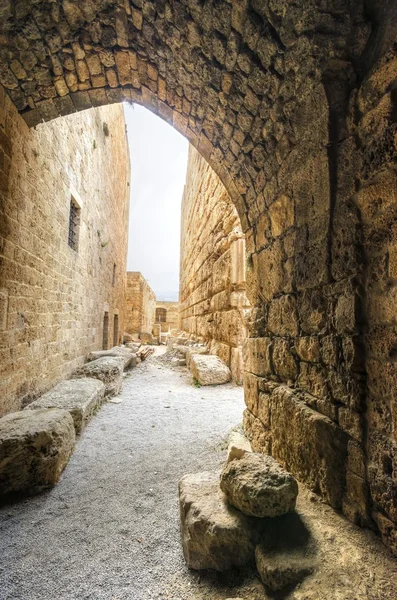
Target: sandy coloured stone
<point x="209" y="369"/>
<point x="278" y="571"/>
<point x="35" y="446"/>
<point x="214" y="534"/>
<point x="127" y="354"/>
<point x="281" y="569"/>
<point x="190" y="351"/>
<point x="80" y="397"/>
<point x="258" y="486"/>
<point x="108" y="369"/>
<point x="146" y="337"/>
<point x="238" y="446"/>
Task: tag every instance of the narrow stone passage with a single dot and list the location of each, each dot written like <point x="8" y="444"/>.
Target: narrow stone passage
<point x="110" y="529"/>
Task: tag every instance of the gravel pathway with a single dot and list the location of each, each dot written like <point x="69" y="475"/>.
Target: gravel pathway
<point x="110" y="529"/>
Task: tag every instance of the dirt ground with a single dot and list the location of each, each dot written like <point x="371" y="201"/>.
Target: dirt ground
<point x="110" y="529"/>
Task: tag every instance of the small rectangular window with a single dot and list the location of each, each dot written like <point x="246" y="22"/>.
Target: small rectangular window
<point x="74" y="224"/>
<point x="114" y="275"/>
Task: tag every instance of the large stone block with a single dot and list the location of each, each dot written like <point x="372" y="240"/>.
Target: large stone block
<point x="256" y="356"/>
<point x="258" y="486"/>
<point x="35" y="447"/>
<point x="309" y="445"/>
<point x="283" y="316"/>
<point x="108" y="369"/>
<point x="209" y="369"/>
<point x="128" y="355"/>
<point x="214" y="534"/>
<point x="80" y="397"/>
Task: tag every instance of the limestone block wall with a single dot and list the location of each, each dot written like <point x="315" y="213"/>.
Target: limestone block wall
<point x="172" y="315"/>
<point x="53" y="299"/>
<point x="294" y="105"/>
<point x="213" y="303"/>
<point x="140" y="304"/>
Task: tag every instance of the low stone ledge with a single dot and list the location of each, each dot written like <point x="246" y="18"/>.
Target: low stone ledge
<point x="209" y="369"/>
<point x="127" y="354"/>
<point x="108" y="369"/>
<point x="35" y="446"/>
<point x="80" y="397"/>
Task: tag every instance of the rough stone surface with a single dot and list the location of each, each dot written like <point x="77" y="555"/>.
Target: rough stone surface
<point x="127" y="354"/>
<point x="258" y="486"/>
<point x="213" y="301"/>
<point x="307" y="443"/>
<point x="35" y="447"/>
<point x="108" y="369"/>
<point x="189" y="352"/>
<point x="214" y="534"/>
<point x="280" y="570"/>
<point x="140" y="304"/>
<point x="53" y="298"/>
<point x="238" y="446"/>
<point x="208" y="369"/>
<point x="80" y="397"/>
<point x="293" y="105"/>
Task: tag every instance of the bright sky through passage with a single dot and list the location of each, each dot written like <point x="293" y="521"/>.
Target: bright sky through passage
<point x="158" y="171"/>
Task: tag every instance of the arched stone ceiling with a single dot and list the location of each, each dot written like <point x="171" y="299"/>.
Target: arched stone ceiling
<point x="227" y="74"/>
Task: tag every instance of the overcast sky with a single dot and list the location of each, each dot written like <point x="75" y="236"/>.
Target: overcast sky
<point x="158" y="172"/>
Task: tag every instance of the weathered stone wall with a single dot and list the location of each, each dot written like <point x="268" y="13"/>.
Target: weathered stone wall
<point x="293" y="104"/>
<point x="172" y="309"/>
<point x="53" y="298"/>
<point x="140" y="304"/>
<point x="212" y="273"/>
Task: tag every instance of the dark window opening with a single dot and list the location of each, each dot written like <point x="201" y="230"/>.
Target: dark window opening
<point x="105" y="338"/>
<point x="74" y="225"/>
<point x="114" y="275"/>
<point x="161" y="315"/>
<point x="116" y="330"/>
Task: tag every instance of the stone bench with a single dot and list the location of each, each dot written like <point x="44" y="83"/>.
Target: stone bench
<point x="80" y="397"/>
<point x="128" y="355"/>
<point x="35" y="446"/>
<point x="108" y="369"/>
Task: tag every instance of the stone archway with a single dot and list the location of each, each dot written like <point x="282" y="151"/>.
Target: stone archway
<point x="294" y="106"/>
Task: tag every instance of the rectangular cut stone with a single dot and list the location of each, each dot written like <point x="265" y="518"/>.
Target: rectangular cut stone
<point x="35" y="447"/>
<point x="108" y="369"/>
<point x="309" y="445"/>
<point x="80" y="397"/>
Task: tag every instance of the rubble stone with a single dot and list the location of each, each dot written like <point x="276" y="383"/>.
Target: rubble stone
<point x="214" y="534"/>
<point x="258" y="486"/>
<point x="280" y="570"/>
